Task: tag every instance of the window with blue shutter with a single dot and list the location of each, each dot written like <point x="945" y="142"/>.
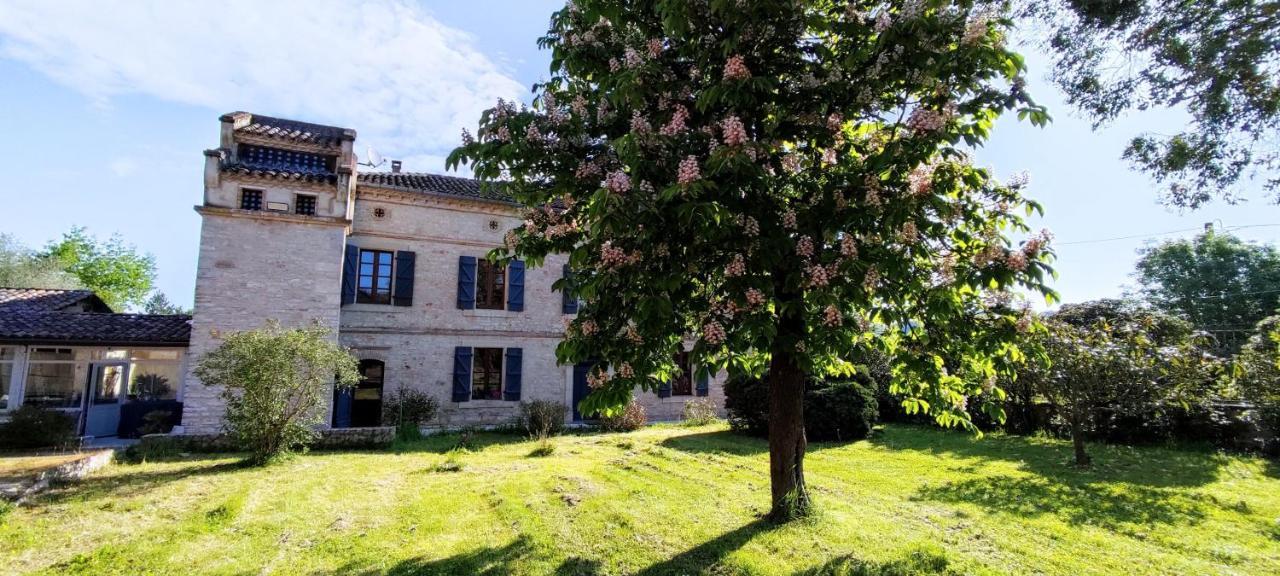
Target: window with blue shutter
<point x="515" y="286"/>
<point x="403" y="294"/>
<point x="462" y="373"/>
<point x="350" y="271"/>
<point x="511" y="391"/>
<point x="467" y="282"/>
<point x="568" y="302"/>
<point x="342" y="399"/>
<point x="703" y="387"/>
<point x="664" y="390"/>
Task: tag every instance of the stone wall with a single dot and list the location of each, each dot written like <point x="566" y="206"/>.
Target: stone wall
<point x="250" y="270"/>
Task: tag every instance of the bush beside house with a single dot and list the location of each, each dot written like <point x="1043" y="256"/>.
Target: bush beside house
<point x="31" y="427"/>
<point x="835" y="410"/>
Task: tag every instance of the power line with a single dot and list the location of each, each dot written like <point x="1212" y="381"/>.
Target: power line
<point x="1156" y="234"/>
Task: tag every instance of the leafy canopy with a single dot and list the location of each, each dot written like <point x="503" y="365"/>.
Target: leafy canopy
<point x="1220" y="283"/>
<point x="21" y="267"/>
<point x="773" y="177"/>
<point x="1217" y="59"/>
<point x="275" y="383"/>
<point x="116" y="272"/>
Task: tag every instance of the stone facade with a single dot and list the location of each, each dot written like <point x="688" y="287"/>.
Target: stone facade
<point x="260" y="264"/>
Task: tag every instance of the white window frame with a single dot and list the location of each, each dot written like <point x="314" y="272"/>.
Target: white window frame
<point x="76" y="362"/>
<point x="17" y="377"/>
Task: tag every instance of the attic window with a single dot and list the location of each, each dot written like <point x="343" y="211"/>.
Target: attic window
<point x="379" y="212"/>
<point x="250" y="199"/>
<point x="304" y="204"/>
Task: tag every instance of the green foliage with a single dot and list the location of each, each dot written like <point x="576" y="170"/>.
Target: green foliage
<point x="156" y="422"/>
<point x="36" y="427"/>
<point x="1220" y="283"/>
<point x="835" y="410"/>
<point x="778" y="179"/>
<point x="630" y="417"/>
<point x="275" y="383"/>
<point x="20" y="267"/>
<point x="116" y="272"/>
<point x="151" y="386"/>
<point x="1111" y="366"/>
<point x="699" y="412"/>
<point x="1214" y="59"/>
<point x="542" y="418"/>
<point x="408" y="410"/>
<point x="1259" y="364"/>
<point x="158" y="303"/>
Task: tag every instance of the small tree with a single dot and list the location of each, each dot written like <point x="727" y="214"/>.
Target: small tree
<point x="274" y="382"/>
<point x="1259" y="380"/>
<point x="1110" y="356"/>
<point x="784" y="179"/>
<point x="115" y="271"/>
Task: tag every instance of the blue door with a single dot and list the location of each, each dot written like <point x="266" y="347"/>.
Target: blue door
<point x="106" y="392"/>
<point x="580" y="388"/>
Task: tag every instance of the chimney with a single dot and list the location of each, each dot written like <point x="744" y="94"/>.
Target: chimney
<point x="395" y="166"/>
<point x="1208" y="226"/>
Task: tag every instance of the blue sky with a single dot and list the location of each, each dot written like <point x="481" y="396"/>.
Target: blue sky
<point x="108" y="107"/>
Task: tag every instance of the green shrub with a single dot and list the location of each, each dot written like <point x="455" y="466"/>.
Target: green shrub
<point x="156" y="422"/>
<point x="275" y="383"/>
<point x="699" y="412"/>
<point x="36" y="427"/>
<point x="151" y="387"/>
<point x="542" y="418"/>
<point x="408" y="410"/>
<point x="631" y="417"/>
<point x="834" y="410"/>
<point x="839" y="411"/>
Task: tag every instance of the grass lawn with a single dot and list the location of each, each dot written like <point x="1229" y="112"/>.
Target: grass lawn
<point x="13" y="467"/>
<point x="663" y="500"/>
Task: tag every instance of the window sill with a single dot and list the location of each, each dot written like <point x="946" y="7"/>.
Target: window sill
<point x="367" y="307"/>
<point x="486" y="403"/>
<point x="677" y="399"/>
<point x="486" y="313"/>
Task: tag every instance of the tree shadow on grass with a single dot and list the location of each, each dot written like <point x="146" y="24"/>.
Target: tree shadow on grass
<point x="128" y="482"/>
<point x="705" y="556"/>
<point x="515" y="557"/>
<point x="720" y="442"/>
<point x="1110" y="506"/>
<point x="919" y="561"/>
<point x="1144" y="466"/>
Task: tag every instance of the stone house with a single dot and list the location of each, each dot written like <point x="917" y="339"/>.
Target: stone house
<point x="394" y="264"/>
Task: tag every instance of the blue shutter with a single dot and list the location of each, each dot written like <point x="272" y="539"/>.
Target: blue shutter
<point x="515" y="286"/>
<point x="511" y="388"/>
<point x="568" y="302"/>
<point x="703" y="386"/>
<point x="467" y="282"/>
<point x="664" y="390"/>
<point x="403" y="295"/>
<point x="342" y="398"/>
<point x="462" y="373"/>
<point x="350" y="273"/>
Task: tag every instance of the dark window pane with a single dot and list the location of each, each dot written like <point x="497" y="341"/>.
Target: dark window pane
<point x="486" y="374"/>
<point x="682" y="384"/>
<point x="251" y="199"/>
<point x="490" y="286"/>
<point x="374" y="278"/>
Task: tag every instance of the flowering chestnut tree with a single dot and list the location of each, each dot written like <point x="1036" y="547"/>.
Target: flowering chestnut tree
<point x="784" y="183"/>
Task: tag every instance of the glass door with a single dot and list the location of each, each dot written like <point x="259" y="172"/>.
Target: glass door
<point x="106" y="392"/>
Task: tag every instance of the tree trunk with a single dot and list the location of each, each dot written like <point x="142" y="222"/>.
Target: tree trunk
<point x="1077" y="441"/>
<point x="786" y="431"/>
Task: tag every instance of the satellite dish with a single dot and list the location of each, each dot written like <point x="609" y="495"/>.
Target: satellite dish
<point x="374" y="159"/>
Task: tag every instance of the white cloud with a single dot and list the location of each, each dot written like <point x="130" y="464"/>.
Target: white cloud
<point x="123" y="167"/>
<point x="403" y="80"/>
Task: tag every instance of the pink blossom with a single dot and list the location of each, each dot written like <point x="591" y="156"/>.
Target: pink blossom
<point x="734" y="132"/>
<point x="1016" y="260"/>
<point x="791" y="163"/>
<point x="612" y="257"/>
<point x="713" y="333"/>
<point x="618" y="182"/>
<point x="503" y="135"/>
<point x="655" y="47"/>
<point x="976" y="28"/>
<point x="677" y="123"/>
<point x="467" y="140"/>
<point x="736" y="267"/>
<point x="614" y="65"/>
<point x="532" y="134"/>
<point x="625" y="371"/>
<point x="587" y="169"/>
<point x="848" y="248"/>
<point x="871" y="280"/>
<point x="736" y="68"/>
<point x="632" y="335"/>
<point x="920" y="181"/>
<point x="831" y="317"/>
<point x="818" y="276"/>
<point x="883" y="21"/>
<point x="789" y="219"/>
<point x="579" y="106"/>
<point x="597" y="379"/>
<point x="632" y="58"/>
<point x="835" y="122"/>
<point x="1036" y="243"/>
<point x="689" y="171"/>
<point x="754" y="297"/>
<point x="639" y="124"/>
<point x="829" y="156"/>
<point x="510" y="240"/>
<point x="909" y="233"/>
<point x="750" y="227"/>
<point x="804" y="247"/>
<point x="588" y="327"/>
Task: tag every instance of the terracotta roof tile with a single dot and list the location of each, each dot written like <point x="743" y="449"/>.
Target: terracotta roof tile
<point x="94" y="328"/>
<point x="289" y="130"/>
<point x="436" y="184"/>
<point x="43" y="299"/>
